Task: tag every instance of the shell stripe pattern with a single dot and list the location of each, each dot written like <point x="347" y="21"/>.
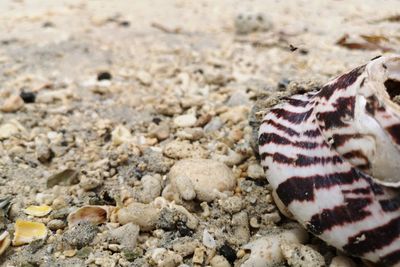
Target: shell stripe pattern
<point x="309" y="150"/>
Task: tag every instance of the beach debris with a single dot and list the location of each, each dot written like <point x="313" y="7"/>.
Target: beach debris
<point x="203" y="179"/>
<point x="27" y="232"/>
<point x="93" y="214"/>
<point x="38" y="211"/>
<point x="65" y="177"/>
<point x="5" y="242"/>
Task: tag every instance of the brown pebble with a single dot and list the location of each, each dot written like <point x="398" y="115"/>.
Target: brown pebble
<point x="12" y="104"/>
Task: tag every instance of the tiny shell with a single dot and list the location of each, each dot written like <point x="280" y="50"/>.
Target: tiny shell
<point x="4" y="241"/>
<point x="26" y="232"/>
<point x="38" y="211"/>
<point x="93" y="214"/>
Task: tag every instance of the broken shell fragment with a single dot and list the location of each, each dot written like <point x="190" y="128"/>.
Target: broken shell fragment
<point x="93" y="214"/>
<point x="26" y="232"/>
<point x="4" y="241"/>
<point x="38" y="211"/>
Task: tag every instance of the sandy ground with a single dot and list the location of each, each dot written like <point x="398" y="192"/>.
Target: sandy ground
<point x="166" y="59"/>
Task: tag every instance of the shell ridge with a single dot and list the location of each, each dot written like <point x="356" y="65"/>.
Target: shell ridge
<point x="308" y="147"/>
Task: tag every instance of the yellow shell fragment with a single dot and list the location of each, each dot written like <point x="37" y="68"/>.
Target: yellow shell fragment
<point x="38" y="211"/>
<point x="26" y="232"/>
<point x="4" y="241"/>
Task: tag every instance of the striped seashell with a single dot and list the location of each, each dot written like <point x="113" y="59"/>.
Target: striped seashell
<point x="333" y="160"/>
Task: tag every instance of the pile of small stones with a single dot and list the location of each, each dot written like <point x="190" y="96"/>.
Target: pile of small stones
<point x="163" y="141"/>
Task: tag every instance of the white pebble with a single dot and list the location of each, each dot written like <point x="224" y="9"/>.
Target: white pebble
<point x="266" y="250"/>
<point x="219" y="261"/>
<point x="298" y="255"/>
<point x="342" y="261"/>
<point x="187" y="120"/>
<point x="255" y="171"/>
<point x="144" y="77"/>
<point x="151" y="188"/>
<point x="208" y="240"/>
<point x="10" y="129"/>
<point x="208" y="178"/>
<point x="251" y="22"/>
<point x="144" y="215"/>
<point x="120" y="135"/>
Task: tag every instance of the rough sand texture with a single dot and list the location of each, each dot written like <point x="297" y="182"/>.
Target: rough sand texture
<point x="183" y="83"/>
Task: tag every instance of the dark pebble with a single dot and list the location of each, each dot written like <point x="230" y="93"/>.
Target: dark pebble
<point x="28" y="97"/>
<point x="156" y="120"/>
<point x="303" y="51"/>
<point x="283" y="83"/>
<point x="260" y="182"/>
<point x="292" y="48"/>
<point x="105" y="75"/>
<point x="107" y="136"/>
<point x="228" y="252"/>
<point x="48" y="24"/>
<point x="183" y="229"/>
<point x="125" y="23"/>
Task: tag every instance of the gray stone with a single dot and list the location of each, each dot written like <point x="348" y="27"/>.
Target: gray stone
<point x="126" y="235"/>
<point x="81" y="234"/>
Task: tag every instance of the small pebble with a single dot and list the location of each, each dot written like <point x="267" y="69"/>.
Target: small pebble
<point x="241" y="229"/>
<point x="187" y="120"/>
<point x="192" y="134"/>
<point x="184" y="149"/>
<point x="10" y="129"/>
<point x="28" y="97"/>
<point x="237" y="99"/>
<point x="141" y="214"/>
<point x="255" y="171"/>
<point x="69" y="253"/>
<point x="185" y="246"/>
<point x="120" y="135"/>
<point x="342" y="261"/>
<point x="56" y="224"/>
<point x="126" y="235"/>
<point x="89" y="183"/>
<point x="228" y="252"/>
<point x="232" y="204"/>
<point x="54" y="95"/>
<point x="266" y="250"/>
<point x="104" y="75"/>
<point x="80" y="235"/>
<point x="208" y="240"/>
<point x="44" y="153"/>
<point x="151" y="188"/>
<point x="198" y="256"/>
<point x="214" y="125"/>
<point x="144" y="77"/>
<point x="246" y="23"/>
<point x="124" y="23"/>
<point x="165" y="258"/>
<point x="298" y="255"/>
<point x="12" y="104"/>
<point x="235" y="114"/>
<point x="219" y="261"/>
<point x="207" y="178"/>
